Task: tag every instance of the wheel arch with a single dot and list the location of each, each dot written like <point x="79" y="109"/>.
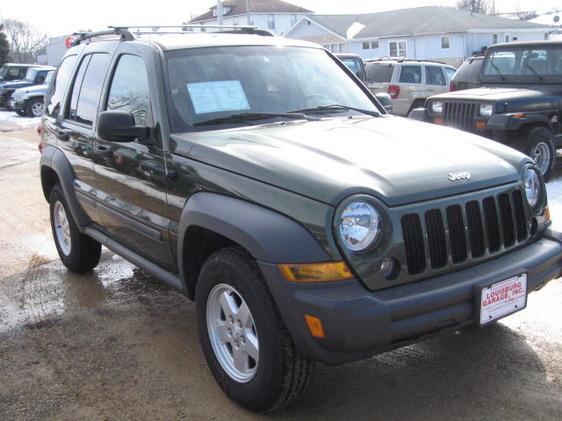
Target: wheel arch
<point x="55" y="168"/>
<point x="211" y="221"/>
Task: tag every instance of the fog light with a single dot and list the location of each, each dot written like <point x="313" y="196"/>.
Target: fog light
<point x="389" y="268"/>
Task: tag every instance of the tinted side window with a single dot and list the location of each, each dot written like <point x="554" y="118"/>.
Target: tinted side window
<point x="449" y="73"/>
<point x="411" y="74"/>
<point x="469" y="69"/>
<point x="379" y="72"/>
<point x="434" y="76"/>
<point x="76" y="87"/>
<point x="129" y="88"/>
<point x="58" y="87"/>
<point x="89" y="90"/>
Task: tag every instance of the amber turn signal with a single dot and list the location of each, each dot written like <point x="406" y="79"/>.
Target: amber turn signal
<point x="546" y="214"/>
<point x="316" y="272"/>
<point x="439" y="120"/>
<point x="480" y="125"/>
<point x="314" y="326"/>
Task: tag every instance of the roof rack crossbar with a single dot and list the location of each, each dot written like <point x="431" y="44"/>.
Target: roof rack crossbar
<point x="123" y="33"/>
<point x="188" y="28"/>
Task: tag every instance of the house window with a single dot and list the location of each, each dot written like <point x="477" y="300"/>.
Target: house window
<point x="366" y="45"/>
<point x="270" y="22"/>
<point x="445" y="42"/>
<point x="397" y="49"/>
<point x="515" y="38"/>
<point x="495" y="39"/>
<point x="507" y="38"/>
<point x="374" y="45"/>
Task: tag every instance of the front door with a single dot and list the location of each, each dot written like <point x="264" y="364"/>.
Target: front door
<point x="130" y="178"/>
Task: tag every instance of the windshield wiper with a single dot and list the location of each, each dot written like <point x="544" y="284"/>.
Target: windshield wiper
<point x="336" y="108"/>
<point x="532" y="69"/>
<point x="500" y="74"/>
<point x="241" y="117"/>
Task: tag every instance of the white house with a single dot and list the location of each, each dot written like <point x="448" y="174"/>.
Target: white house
<point x="275" y="16"/>
<point x="433" y="32"/>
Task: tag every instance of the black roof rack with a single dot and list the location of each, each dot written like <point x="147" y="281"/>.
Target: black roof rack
<point x="126" y="33"/>
<point x="403" y="59"/>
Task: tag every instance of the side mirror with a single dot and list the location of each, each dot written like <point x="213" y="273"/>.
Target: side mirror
<point x="385" y="100"/>
<point x="119" y="126"/>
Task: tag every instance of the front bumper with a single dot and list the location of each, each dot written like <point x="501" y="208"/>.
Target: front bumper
<point x="359" y="323"/>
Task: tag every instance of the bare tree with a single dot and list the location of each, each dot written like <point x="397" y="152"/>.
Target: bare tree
<point x="25" y="41"/>
<point x="475" y="6"/>
<point x="4" y="46"/>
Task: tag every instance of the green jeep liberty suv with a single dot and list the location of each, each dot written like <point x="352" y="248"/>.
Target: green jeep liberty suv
<point x="259" y="176"/>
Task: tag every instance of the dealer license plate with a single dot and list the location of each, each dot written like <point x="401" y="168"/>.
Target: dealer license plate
<point x="503" y="298"/>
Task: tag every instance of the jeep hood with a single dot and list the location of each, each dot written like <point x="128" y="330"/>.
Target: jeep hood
<point x="395" y="159"/>
<point x="490" y="94"/>
<point x="35" y="89"/>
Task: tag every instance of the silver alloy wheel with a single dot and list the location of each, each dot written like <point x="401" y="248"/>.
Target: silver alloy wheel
<point x="37" y="109"/>
<point x="541" y="154"/>
<point x="232" y="333"/>
<point x="62" y="228"/>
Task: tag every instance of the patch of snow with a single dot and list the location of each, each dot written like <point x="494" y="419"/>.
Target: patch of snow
<point x="9" y="120"/>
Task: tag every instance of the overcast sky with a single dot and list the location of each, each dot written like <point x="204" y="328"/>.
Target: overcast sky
<point x="57" y="17"/>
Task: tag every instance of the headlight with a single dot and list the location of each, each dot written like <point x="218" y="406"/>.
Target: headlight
<point x="437" y="107"/>
<point x="486" y="110"/>
<point x="360" y="225"/>
<point x="532" y="187"/>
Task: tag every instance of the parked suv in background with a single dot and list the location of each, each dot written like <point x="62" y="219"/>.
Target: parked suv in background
<point x="409" y="82"/>
<point x="14" y="71"/>
<point x="29" y="101"/>
<point x="355" y="63"/>
<point x="518" y="103"/>
<point x="34" y="76"/>
<point x="468" y="75"/>
<point x="261" y="178"/>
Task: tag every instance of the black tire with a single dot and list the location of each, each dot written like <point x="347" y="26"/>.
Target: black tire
<point x="85" y="252"/>
<point x="34" y="102"/>
<point x="530" y="139"/>
<point x="282" y="373"/>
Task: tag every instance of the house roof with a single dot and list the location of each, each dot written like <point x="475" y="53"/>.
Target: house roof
<point x="417" y="21"/>
<point x="238" y="7"/>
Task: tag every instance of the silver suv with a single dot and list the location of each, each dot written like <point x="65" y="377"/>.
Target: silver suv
<point x="409" y="82"/>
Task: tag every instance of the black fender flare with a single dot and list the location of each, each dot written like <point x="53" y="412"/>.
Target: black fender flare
<point x="267" y="235"/>
<point x="513" y="122"/>
<point x="53" y="158"/>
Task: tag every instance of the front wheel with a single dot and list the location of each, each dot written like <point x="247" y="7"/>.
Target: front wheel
<point x="538" y="143"/>
<point x="247" y="348"/>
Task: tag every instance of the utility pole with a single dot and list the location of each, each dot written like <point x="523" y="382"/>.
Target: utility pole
<point x="219" y="11"/>
<point x="248" y="12"/>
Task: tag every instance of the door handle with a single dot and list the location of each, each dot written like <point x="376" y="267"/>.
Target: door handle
<point x="62" y="135"/>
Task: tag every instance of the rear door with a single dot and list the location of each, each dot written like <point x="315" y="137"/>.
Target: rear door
<point x="436" y="81"/>
<point x="131" y="178"/>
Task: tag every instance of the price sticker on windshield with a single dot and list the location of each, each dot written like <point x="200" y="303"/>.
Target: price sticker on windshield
<point x="217" y="96"/>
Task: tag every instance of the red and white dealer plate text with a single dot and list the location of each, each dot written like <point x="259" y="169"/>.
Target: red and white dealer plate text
<point x="503" y="298"/>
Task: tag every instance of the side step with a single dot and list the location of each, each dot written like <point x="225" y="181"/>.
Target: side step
<point x="168" y="278"/>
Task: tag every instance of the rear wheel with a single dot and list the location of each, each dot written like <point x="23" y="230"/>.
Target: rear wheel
<point x="249" y="351"/>
<point x="77" y="251"/>
<point x="538" y="143"/>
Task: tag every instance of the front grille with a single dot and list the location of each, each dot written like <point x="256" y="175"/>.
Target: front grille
<point x="460" y="114"/>
<point x="460" y="232"/>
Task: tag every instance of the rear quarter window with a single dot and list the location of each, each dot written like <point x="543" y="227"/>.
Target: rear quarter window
<point x="411" y="74"/>
<point x="58" y="87"/>
<point x="470" y="69"/>
<point x="379" y="72"/>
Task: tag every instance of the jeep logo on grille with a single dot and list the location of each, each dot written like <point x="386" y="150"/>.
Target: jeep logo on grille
<point x="455" y="176"/>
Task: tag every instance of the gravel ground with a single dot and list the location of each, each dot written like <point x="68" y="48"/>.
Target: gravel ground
<point x="115" y="344"/>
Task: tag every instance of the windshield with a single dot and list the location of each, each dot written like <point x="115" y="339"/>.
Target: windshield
<point x="49" y="77"/>
<point x="209" y="83"/>
<point x="525" y="64"/>
<point x="30" y="75"/>
<point x="470" y="69"/>
<point x="379" y="72"/>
